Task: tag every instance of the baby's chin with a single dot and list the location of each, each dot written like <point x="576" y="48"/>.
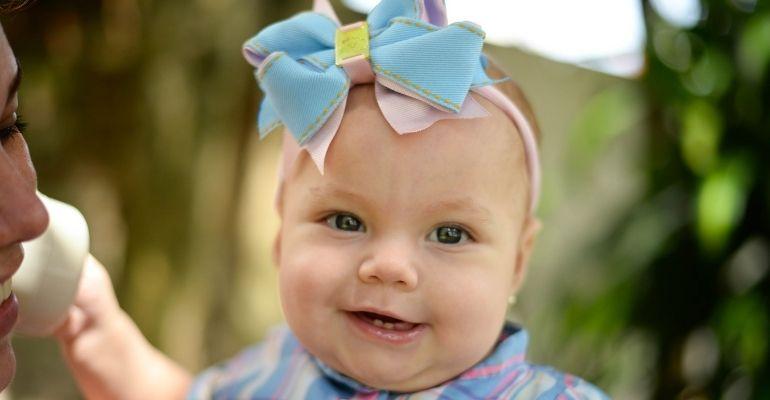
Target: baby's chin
<point x="393" y="383"/>
<point x="388" y="372"/>
<point x="406" y="380"/>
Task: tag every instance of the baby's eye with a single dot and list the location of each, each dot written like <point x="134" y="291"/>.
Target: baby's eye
<point x="449" y="235"/>
<point x="345" y="222"/>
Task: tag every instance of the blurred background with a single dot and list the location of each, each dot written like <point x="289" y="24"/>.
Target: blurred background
<point x="650" y="278"/>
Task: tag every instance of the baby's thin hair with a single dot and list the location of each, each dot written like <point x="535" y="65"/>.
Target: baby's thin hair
<point x="511" y="90"/>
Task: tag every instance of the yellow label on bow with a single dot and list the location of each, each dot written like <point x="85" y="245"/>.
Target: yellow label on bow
<point x="350" y="41"/>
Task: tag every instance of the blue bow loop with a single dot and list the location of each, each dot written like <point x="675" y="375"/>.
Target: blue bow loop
<point x="443" y="62"/>
<point x="385" y="11"/>
<point x="268" y="120"/>
<point x="301" y="35"/>
<point x="298" y="93"/>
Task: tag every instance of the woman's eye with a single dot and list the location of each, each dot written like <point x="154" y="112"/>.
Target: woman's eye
<point x="449" y="235"/>
<point x="7" y="132"/>
<point x="17" y="127"/>
<point x="345" y="222"/>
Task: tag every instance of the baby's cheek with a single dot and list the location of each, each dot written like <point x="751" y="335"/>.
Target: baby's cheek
<point x="308" y="278"/>
<point x="469" y="317"/>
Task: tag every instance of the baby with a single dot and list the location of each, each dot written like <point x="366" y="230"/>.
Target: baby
<point x="407" y="198"/>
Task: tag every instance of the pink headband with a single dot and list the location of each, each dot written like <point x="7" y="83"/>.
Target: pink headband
<point x="403" y="110"/>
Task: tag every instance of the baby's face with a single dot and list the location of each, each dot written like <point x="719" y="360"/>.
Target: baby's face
<point x="396" y="265"/>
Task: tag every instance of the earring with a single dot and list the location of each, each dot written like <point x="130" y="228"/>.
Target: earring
<point x="511" y="299"/>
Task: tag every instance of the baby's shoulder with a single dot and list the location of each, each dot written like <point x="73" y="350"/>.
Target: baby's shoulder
<point x="236" y="377"/>
<point x="545" y="382"/>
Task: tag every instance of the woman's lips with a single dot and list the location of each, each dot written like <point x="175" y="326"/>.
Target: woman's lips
<point x="10" y="260"/>
<point x="385" y="328"/>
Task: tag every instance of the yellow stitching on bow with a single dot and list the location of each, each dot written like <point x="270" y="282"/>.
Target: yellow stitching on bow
<point x="325" y="111"/>
<point x="350" y="41"/>
<point x="409" y="22"/>
<point x="420" y="24"/>
<point x="446" y="102"/>
<point x="471" y="29"/>
<point x="260" y="48"/>
<point x="270" y="128"/>
<point x="268" y="65"/>
<point x="319" y="62"/>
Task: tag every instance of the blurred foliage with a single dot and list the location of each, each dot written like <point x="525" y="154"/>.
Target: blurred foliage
<point x="686" y="266"/>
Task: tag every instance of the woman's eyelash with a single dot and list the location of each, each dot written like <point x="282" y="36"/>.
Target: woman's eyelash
<point x="18" y="126"/>
<point x="21" y="124"/>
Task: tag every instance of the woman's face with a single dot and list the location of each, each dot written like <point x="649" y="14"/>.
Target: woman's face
<point x="22" y="215"/>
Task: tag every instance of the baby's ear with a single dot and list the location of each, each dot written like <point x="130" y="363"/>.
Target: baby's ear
<point x="532" y="227"/>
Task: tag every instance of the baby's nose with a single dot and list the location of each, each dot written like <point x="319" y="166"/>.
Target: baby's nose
<point x="390" y="265"/>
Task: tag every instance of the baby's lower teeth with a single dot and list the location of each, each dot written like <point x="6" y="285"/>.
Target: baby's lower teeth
<point x="379" y="323"/>
<point x="388" y="325"/>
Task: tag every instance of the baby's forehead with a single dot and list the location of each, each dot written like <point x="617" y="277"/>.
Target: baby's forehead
<point x="483" y="158"/>
<point x="492" y="140"/>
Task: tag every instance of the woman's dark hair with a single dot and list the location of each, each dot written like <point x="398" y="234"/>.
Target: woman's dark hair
<point x="12" y="6"/>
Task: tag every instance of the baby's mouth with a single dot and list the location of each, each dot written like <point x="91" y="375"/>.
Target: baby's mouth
<point x="384" y="321"/>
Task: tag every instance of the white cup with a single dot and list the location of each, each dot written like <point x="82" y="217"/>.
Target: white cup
<point x="47" y="281"/>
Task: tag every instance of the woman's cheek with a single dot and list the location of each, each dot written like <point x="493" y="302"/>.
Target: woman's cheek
<point x="17" y="150"/>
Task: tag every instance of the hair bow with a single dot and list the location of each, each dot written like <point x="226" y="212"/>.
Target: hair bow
<point x="422" y="69"/>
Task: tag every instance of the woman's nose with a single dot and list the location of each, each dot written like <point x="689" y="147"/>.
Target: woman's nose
<point x="22" y="214"/>
<point x="390" y="265"/>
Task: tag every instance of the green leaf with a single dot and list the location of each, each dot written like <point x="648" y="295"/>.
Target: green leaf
<point x="754" y="48"/>
<point x="721" y="202"/>
<point x="701" y="134"/>
<point x="743" y="329"/>
<point x="608" y="114"/>
<point x="710" y="76"/>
